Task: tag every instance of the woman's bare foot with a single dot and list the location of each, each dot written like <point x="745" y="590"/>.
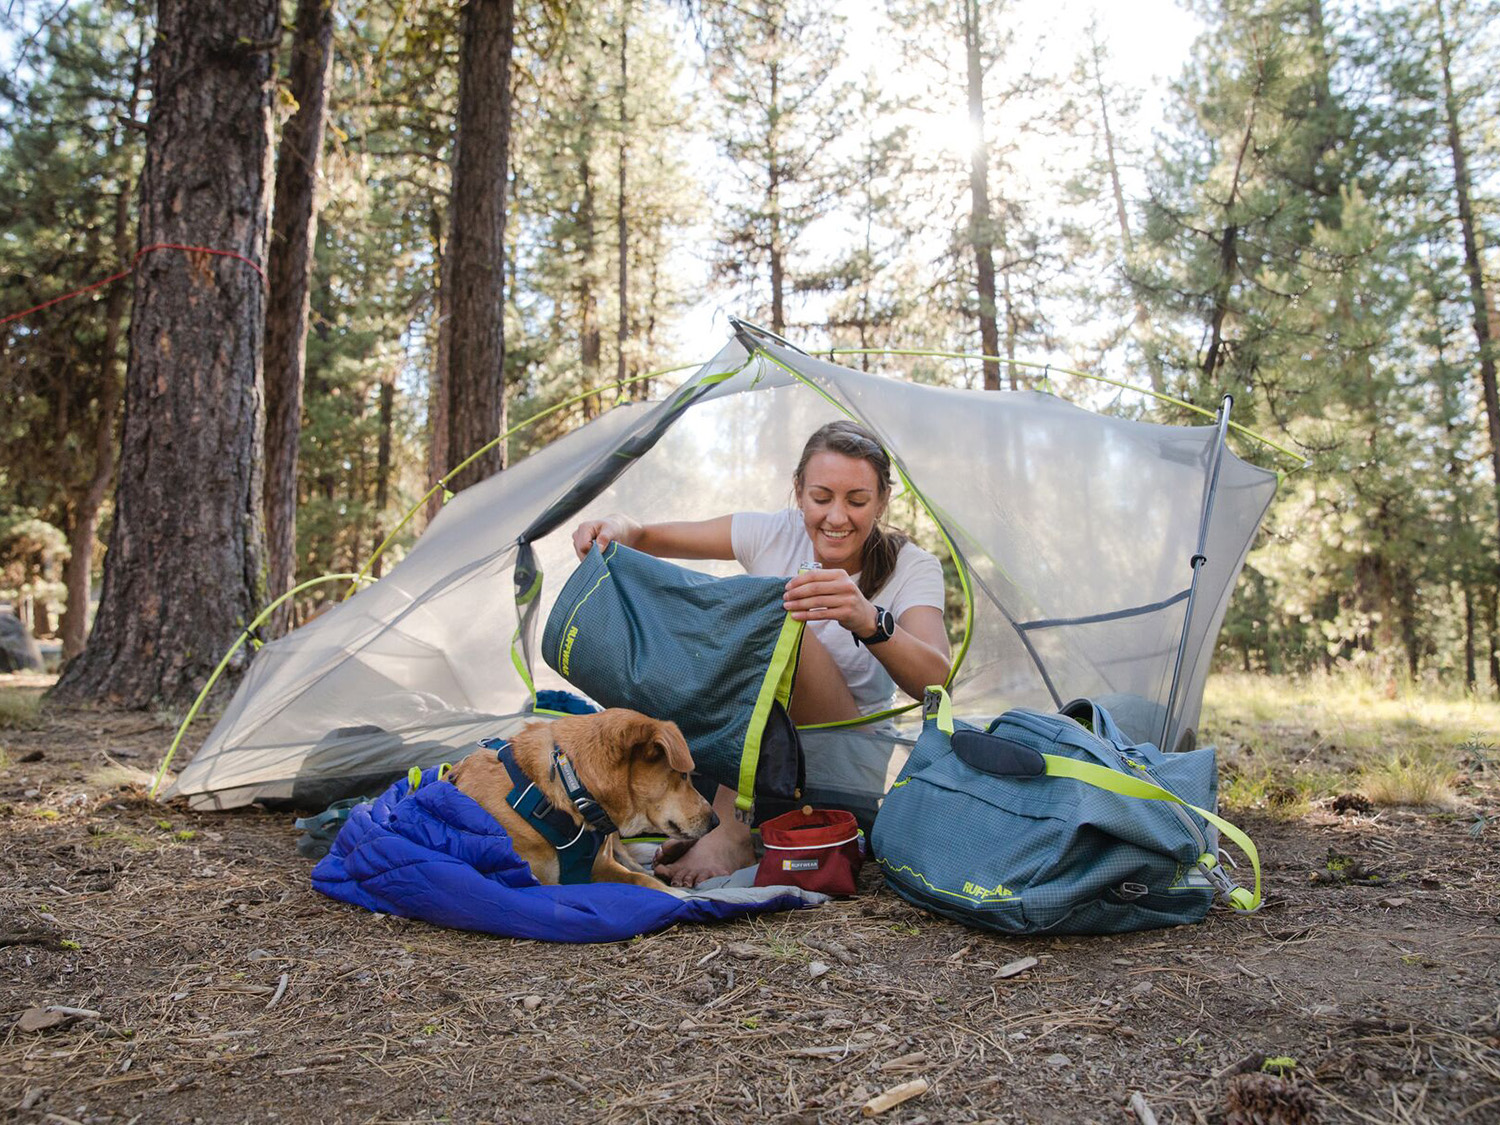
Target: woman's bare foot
<point x="686" y="863"/>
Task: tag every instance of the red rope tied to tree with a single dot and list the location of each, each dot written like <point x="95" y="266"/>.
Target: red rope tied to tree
<point x="135" y="261"/>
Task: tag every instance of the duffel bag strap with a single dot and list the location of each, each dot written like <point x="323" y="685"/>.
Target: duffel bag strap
<point x="1101" y="777"/>
<point x="938" y="708"/>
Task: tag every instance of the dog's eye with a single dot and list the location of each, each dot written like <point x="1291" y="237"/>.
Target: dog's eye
<point x="684" y="776"/>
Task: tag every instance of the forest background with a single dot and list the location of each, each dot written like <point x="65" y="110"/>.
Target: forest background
<point x="1304" y="218"/>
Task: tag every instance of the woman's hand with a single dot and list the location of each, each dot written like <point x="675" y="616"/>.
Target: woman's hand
<point x="830" y="595"/>
<point x="610" y="529"/>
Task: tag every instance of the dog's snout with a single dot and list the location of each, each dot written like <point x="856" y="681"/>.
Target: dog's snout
<point x="713" y="820"/>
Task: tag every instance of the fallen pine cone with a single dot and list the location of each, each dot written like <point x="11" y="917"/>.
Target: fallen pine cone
<point x="1263" y="1099"/>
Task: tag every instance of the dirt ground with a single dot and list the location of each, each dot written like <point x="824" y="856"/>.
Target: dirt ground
<point x="210" y="983"/>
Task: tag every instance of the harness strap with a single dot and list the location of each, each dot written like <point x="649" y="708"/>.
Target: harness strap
<point x="591" y="810"/>
<point x="577" y="845"/>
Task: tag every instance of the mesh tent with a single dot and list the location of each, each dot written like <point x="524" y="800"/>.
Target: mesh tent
<point x="1096" y="557"/>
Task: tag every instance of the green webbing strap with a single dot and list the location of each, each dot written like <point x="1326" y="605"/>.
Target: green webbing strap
<point x="775" y="688"/>
<point x="939" y="707"/>
<point x="1102" y="777"/>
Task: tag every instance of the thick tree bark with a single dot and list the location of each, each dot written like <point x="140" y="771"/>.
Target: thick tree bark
<point x="294" y="227"/>
<point x="185" y="569"/>
<point x="981" y="226"/>
<point x="84" y="523"/>
<point x="1472" y="266"/>
<point x="475" y="392"/>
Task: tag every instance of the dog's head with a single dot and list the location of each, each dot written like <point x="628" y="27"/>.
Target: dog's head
<point x="638" y="769"/>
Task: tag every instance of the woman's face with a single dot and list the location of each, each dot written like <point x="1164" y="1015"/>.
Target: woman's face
<point x="840" y="502"/>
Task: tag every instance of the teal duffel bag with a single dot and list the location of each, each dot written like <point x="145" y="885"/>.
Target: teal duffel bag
<point x="1045" y="823"/>
<point x="715" y="655"/>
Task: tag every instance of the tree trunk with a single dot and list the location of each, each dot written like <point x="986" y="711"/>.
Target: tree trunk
<point x="475" y="391"/>
<point x="438" y="463"/>
<point x="981" y="228"/>
<point x="1494" y="641"/>
<point x="622" y="327"/>
<point x="294" y="228"/>
<point x="1142" y="318"/>
<point x="185" y="569"/>
<point x="1470" y="670"/>
<point x="773" y="203"/>
<point x="84" y="525"/>
<point x="1472" y="266"/>
<point x="383" y="464"/>
<point x="590" y="335"/>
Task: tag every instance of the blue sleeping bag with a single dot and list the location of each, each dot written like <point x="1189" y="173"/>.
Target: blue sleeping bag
<point x="434" y="854"/>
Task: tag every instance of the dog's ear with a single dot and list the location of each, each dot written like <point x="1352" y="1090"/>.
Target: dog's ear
<point x="670" y="739"/>
<point x="661" y="739"/>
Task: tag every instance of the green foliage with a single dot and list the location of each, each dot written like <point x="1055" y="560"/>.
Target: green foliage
<point x="68" y="153"/>
<point x="1295" y="241"/>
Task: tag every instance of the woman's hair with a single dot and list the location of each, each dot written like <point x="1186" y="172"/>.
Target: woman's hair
<point x="850" y="439"/>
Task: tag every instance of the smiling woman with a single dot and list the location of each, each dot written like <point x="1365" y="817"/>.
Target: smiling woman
<point x="873" y="600"/>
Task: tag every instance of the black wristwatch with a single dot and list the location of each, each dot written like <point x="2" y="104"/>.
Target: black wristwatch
<point x="885" y="628"/>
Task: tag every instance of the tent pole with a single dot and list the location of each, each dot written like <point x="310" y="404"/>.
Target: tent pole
<point x="1169" y="720"/>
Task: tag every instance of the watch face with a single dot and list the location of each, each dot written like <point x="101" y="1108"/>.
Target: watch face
<point x="887" y="623"/>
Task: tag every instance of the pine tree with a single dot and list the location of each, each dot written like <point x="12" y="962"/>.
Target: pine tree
<point x="184" y="572"/>
<point x="771" y="63"/>
<point x="293" y="231"/>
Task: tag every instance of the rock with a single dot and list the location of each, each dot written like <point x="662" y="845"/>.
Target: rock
<point x="1058" y="1061"/>
<point x="1141" y="988"/>
<point x="816" y="969"/>
<point x="18" y="648"/>
<point x="531" y="1003"/>
<point x="39" y="1019"/>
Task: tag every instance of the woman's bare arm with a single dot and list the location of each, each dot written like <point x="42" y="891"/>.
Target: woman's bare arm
<point x="679" y="539"/>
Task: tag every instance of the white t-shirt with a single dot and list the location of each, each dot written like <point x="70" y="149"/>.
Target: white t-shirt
<point x="776" y="544"/>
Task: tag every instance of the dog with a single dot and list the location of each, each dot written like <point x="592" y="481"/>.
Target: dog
<point x="585" y="781"/>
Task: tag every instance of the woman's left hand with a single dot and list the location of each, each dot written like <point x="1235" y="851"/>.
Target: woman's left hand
<point x="830" y="595"/>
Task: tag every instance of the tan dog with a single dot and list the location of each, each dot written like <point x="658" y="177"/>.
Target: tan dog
<point x="634" y="768"/>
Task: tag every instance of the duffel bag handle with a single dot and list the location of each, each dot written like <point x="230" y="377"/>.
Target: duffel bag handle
<point x="994" y="754"/>
<point x="940" y="710"/>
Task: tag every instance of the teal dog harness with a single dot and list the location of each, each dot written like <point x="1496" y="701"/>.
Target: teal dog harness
<point x="577" y="844"/>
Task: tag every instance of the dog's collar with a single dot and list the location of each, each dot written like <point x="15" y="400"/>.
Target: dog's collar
<point x="576" y="845"/>
<point x="591" y="810"/>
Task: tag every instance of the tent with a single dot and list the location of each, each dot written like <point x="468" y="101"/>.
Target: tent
<point x="1090" y="556"/>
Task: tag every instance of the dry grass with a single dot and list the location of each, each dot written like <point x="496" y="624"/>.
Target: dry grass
<point x="1410" y="780"/>
<point x="1287" y="742"/>
<point x="20" y="709"/>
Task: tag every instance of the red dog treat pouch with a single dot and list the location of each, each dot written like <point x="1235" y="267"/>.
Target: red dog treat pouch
<point x="815" y="849"/>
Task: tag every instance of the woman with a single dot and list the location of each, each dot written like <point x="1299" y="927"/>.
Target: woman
<point x="874" y="604"/>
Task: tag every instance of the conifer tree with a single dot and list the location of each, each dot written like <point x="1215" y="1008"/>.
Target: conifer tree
<point x="184" y="572"/>
<point x="772" y="64"/>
